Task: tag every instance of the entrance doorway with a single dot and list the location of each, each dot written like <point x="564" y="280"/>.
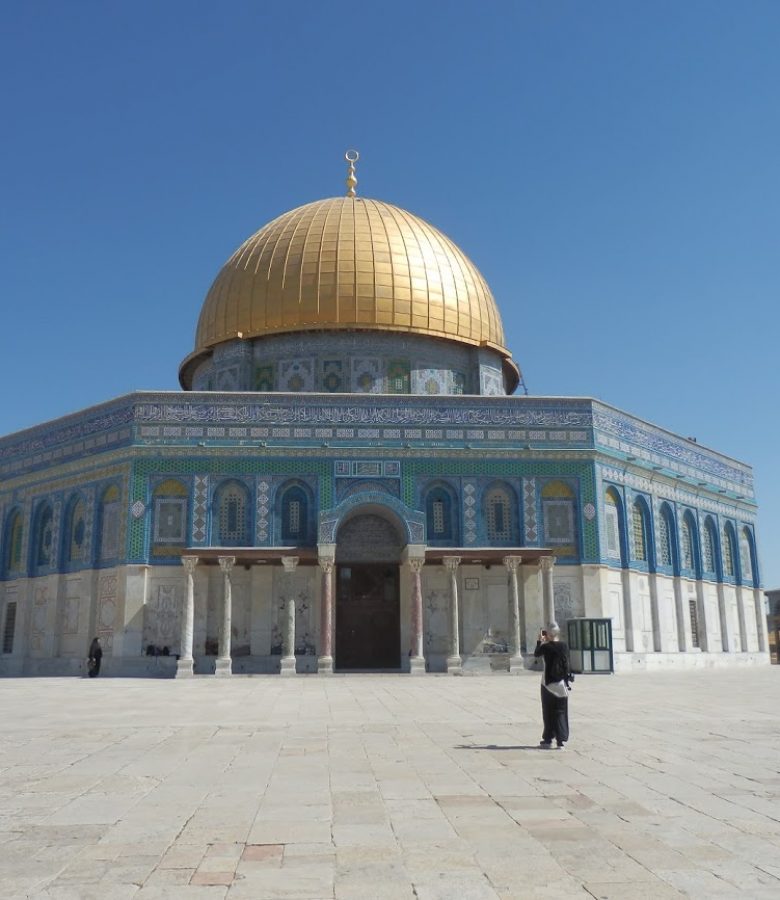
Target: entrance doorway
<point x="368" y="616"/>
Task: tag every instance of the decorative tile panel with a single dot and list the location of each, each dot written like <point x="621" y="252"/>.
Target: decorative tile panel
<point x="296" y="375"/>
<point x="366" y="376"/>
<point x="200" y="508"/>
<point x="529" y="510"/>
<point x="263" y="510"/>
<point x="469" y="512"/>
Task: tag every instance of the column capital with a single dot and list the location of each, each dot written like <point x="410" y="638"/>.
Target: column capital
<point x="416" y="563"/>
<point x="189" y="563"/>
<point x="413" y="550"/>
<point x="547" y="563"/>
<point x="326" y="563"/>
<point x="512" y="562"/>
<point x="451" y="562"/>
<point x="226" y="563"/>
<point x="290" y="563"/>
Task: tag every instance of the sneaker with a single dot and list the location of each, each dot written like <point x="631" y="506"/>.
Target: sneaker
<point x="560" y="746"/>
<point x="545" y="745"/>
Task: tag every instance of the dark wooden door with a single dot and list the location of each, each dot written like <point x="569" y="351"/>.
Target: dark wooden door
<point x="368" y="617"/>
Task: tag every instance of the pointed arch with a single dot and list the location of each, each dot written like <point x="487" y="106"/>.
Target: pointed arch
<point x="690" y="557"/>
<point x="729" y="551"/>
<point x="501" y="516"/>
<point x="43" y="552"/>
<point x="12" y="543"/>
<point x="295" y="513"/>
<point x="666" y="548"/>
<point x="108" y="524"/>
<point x="75" y="551"/>
<point x="231" y="515"/>
<point x="709" y="548"/>
<point x="748" y="563"/>
<point x="441" y="519"/>
<point x="614" y="526"/>
<point x="641" y="533"/>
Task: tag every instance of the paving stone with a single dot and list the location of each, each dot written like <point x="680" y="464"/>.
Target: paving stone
<point x="385" y="787"/>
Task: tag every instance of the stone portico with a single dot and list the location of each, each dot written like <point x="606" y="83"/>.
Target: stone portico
<point x="507" y="634"/>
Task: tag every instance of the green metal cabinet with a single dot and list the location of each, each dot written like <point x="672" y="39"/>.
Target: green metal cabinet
<point x="590" y="646"/>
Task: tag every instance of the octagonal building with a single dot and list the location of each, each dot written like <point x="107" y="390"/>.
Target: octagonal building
<point x="348" y="482"/>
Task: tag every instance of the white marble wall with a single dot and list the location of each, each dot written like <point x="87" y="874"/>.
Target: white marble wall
<point x="131" y="607"/>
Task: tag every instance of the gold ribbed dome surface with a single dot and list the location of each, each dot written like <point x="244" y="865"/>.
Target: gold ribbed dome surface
<point x="349" y="263"/>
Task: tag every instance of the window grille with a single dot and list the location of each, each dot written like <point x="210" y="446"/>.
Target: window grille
<point x="43" y="544"/>
<point x="437" y="508"/>
<point x="232" y="517"/>
<point x="745" y="556"/>
<point x="15" y="549"/>
<point x="109" y="530"/>
<point x="294" y="517"/>
<point x="638" y="530"/>
<point x="9" y="627"/>
<point x="708" y="549"/>
<point x="558" y="521"/>
<point x="499" y="521"/>
<point x="76" y="538"/>
<point x="664" y="540"/>
<point x="694" y="615"/>
<point x="612" y="524"/>
<point x="294" y="514"/>
<point x="686" y="544"/>
<point x="728" y="554"/>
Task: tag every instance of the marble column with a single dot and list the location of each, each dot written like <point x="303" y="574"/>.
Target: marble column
<point x="224" y="662"/>
<point x="454" y="662"/>
<point x="184" y="665"/>
<point x="325" y="661"/>
<point x="290" y="563"/>
<point x="516" y="663"/>
<point x="546" y="564"/>
<point x="416" y="657"/>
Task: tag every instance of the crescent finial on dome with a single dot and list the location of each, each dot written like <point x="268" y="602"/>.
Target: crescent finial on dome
<point x="351" y="156"/>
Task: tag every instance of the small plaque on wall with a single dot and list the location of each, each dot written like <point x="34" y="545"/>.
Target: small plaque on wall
<point x="471" y="584"/>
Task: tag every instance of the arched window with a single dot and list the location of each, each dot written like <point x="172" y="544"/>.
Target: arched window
<point x="708" y="543"/>
<point x="232" y="515"/>
<point x="558" y="514"/>
<point x="689" y="544"/>
<point x="728" y="548"/>
<point x="441" y="527"/>
<point x="613" y="525"/>
<point x="747" y="557"/>
<point x="501" y="516"/>
<point x="14" y="531"/>
<point x="43" y="551"/>
<point x="108" y="518"/>
<point x="75" y="540"/>
<point x="665" y="533"/>
<point x="295" y="515"/>
<point x="639" y="530"/>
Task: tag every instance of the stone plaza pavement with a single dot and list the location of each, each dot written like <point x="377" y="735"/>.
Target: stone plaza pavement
<point x="388" y="786"/>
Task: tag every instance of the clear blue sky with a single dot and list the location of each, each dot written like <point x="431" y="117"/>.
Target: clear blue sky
<point x="611" y="167"/>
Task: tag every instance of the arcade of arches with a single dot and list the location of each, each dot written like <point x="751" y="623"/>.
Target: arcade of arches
<point x="371" y="610"/>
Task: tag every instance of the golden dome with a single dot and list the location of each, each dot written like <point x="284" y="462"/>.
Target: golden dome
<point x="348" y="263"/>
